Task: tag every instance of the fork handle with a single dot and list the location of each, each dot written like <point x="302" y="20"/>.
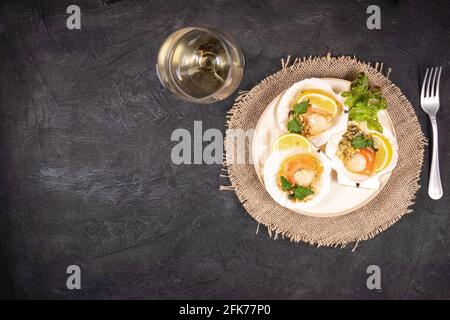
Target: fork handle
<point x="434" y="184"/>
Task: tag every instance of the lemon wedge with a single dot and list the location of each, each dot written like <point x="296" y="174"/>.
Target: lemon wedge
<point x="384" y="151"/>
<point x="321" y="101"/>
<point x="292" y="140"/>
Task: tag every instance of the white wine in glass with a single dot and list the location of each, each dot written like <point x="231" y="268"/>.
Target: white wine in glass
<point x="200" y="65"/>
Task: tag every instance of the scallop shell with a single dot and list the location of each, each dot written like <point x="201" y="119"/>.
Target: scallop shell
<point x="283" y="108"/>
<point x="271" y="176"/>
<point x="346" y="177"/>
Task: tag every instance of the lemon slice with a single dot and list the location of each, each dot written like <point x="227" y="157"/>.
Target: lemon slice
<point x="292" y="140"/>
<point x="384" y="151"/>
<point x="320" y="100"/>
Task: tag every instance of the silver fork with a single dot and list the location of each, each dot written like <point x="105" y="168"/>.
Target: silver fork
<point x="429" y="100"/>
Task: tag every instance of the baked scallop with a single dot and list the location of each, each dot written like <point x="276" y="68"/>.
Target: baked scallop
<point x="297" y="179"/>
<point x="361" y="156"/>
<point x="311" y="108"/>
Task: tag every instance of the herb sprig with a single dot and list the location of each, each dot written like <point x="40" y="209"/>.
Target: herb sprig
<point x="295" y="191"/>
<point x="360" y="142"/>
<point x="294" y="125"/>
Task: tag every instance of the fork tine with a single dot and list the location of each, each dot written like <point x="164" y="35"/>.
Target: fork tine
<point x="422" y="93"/>
<point x="428" y="93"/>
<point x="433" y="83"/>
<point x="438" y="81"/>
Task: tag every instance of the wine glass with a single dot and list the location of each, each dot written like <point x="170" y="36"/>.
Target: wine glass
<point x="200" y="65"/>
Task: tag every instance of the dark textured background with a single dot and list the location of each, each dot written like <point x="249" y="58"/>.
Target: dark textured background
<point x="86" y="176"/>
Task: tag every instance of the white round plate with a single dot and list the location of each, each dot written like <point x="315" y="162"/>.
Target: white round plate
<point x="340" y="199"/>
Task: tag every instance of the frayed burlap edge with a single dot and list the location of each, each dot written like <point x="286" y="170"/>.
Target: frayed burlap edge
<point x="362" y="224"/>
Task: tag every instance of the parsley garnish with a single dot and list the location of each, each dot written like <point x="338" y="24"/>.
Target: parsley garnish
<point x="301" y="107"/>
<point x="302" y="192"/>
<point x="294" y="125"/>
<point x="285" y="184"/>
<point x="360" y="142"/>
<point x="295" y="191"/>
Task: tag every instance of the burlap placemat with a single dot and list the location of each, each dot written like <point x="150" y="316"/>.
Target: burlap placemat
<point x="391" y="203"/>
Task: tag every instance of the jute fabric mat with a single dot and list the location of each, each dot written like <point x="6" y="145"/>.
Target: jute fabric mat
<point x="388" y="207"/>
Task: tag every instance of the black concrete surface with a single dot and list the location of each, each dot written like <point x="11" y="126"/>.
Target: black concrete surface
<point x="86" y="175"/>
